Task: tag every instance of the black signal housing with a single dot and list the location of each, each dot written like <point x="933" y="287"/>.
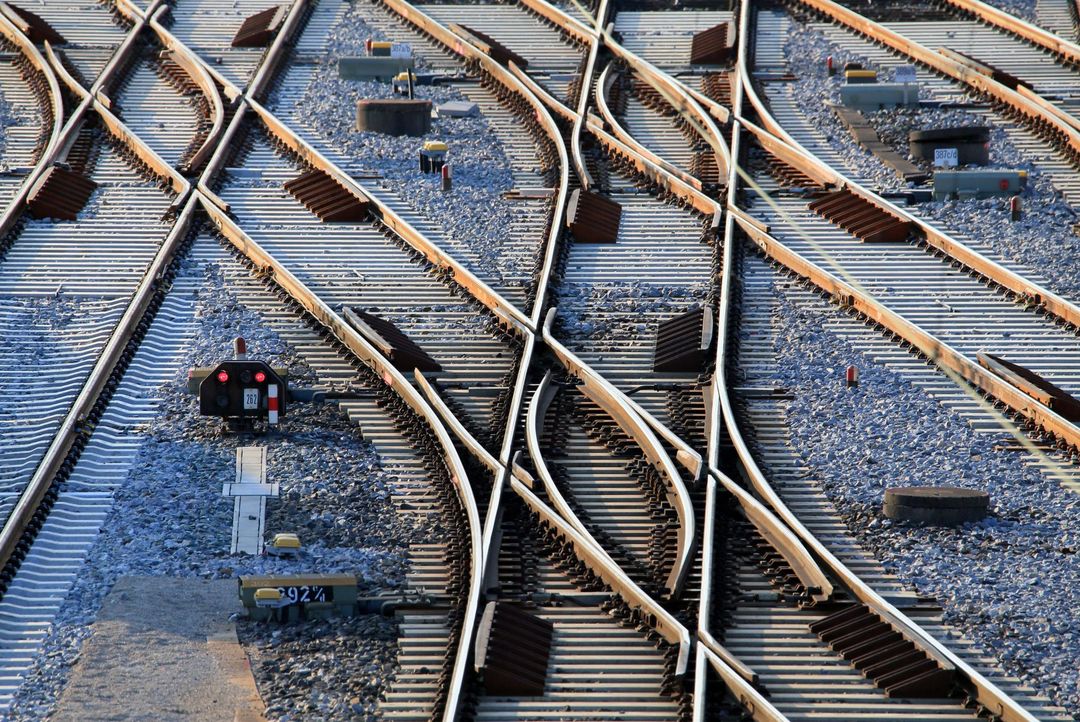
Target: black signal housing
<point x="241" y="395"/>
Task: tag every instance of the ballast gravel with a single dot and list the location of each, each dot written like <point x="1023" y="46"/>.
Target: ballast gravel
<point x="169" y="519"/>
<point x="305" y="672"/>
<point x="1035" y="245"/>
<point x="475" y="222"/>
<point x="1010" y="581"/>
<point x="605" y="317"/>
<point x="1023" y="9"/>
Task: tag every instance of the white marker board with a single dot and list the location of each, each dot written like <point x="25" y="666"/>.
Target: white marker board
<point x="946" y="157"/>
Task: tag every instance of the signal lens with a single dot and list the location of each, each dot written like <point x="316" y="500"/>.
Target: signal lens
<point x="260" y="376"/>
<point x="223" y="376"/>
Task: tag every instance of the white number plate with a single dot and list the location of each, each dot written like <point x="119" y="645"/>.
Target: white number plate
<point x="400" y="50"/>
<point x="251" y="399"/>
<point x="905" y="74"/>
<point x="305" y="594"/>
<point x="946" y="157"/>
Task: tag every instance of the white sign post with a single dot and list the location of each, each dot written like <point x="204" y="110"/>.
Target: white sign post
<point x="946" y="157"/>
<point x="250" y="492"/>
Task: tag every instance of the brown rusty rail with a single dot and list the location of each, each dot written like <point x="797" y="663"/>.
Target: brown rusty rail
<point x="998" y="18"/>
<point x="30" y="51"/>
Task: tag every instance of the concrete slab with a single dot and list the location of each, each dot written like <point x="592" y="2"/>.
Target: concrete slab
<point x="163" y="649"/>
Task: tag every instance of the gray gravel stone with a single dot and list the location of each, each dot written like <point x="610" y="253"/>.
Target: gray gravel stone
<point x="1024" y="9"/>
<point x="328" y="670"/>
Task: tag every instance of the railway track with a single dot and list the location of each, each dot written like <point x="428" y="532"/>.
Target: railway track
<point x="81" y="502"/>
<point x="591" y="454"/>
<point x="617" y="522"/>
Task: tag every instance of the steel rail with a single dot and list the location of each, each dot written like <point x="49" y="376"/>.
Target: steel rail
<point x="74" y="422"/>
<point x="704" y="636"/>
<point x="509" y="79"/>
<point x="755" y="703"/>
<point x="603" y="86"/>
<point x="120" y="56"/>
<point x="13" y="33"/>
<point x="587" y="549"/>
<point x="60" y="142"/>
<point x="575" y="28"/>
<point x="197" y="71"/>
<point x="791" y="152"/>
<point x="896" y="619"/>
<point x="1066" y="49"/>
<point x="607" y="397"/>
<point x="680" y="98"/>
<point x="30" y="499"/>
<point x="71" y="426"/>
<point x="506" y="77"/>
<point x="271" y="56"/>
<point x="790" y="547"/>
<point x="944" y="356"/>
<point x="543" y="396"/>
<point x="453" y="423"/>
<point x="685" y="454"/>
<point x="276" y="52"/>
<point x="534" y="408"/>
<point x="509" y="315"/>
<point x="631" y="151"/>
<point x="798" y="157"/>
<point x="373" y="358"/>
<point x="583" y="96"/>
<point x="740" y="680"/>
<point x="116" y="127"/>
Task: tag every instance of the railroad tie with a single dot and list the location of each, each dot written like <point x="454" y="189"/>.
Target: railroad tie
<point x="861" y="218"/>
<point x="59" y="194"/>
<point x="713" y="46"/>
<point x="258" y="30"/>
<point x="881" y="653"/>
<point x="327" y="198"/>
